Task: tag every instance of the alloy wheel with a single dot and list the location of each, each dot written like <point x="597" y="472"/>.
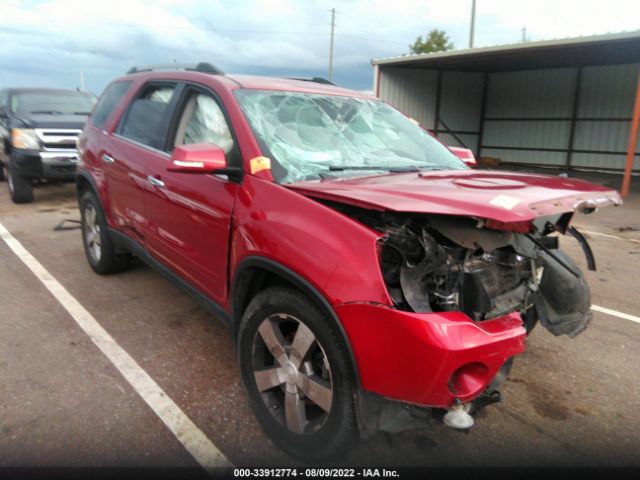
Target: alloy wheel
<point x="92" y="233"/>
<point x="292" y="373"/>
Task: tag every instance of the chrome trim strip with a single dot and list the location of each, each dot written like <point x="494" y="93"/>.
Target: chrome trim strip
<point x="59" y="157"/>
<point x="57" y="135"/>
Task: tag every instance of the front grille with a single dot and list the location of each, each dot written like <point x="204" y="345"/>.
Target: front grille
<point x="58" y="139"/>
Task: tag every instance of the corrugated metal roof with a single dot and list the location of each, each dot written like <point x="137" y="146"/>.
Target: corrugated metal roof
<point x="590" y="50"/>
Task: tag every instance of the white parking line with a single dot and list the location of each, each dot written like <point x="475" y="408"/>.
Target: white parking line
<point x="187" y="433"/>
<point x="615" y="313"/>
<point x="599" y="234"/>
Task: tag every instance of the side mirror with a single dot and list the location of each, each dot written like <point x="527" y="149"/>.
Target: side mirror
<point x="198" y="158"/>
<point x="466" y="155"/>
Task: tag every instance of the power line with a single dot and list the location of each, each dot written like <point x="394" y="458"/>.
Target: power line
<point x="222" y="30"/>
<point x="370" y="39"/>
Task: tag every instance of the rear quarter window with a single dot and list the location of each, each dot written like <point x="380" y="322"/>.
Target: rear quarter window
<point x="108" y="102"/>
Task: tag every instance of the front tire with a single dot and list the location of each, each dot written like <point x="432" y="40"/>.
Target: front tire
<point x="98" y="247"/>
<point x="20" y="188"/>
<point x="295" y="370"/>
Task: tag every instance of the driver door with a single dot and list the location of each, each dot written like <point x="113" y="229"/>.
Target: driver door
<point x="189" y="215"/>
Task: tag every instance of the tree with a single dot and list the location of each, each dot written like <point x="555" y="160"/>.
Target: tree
<point x="436" y="41"/>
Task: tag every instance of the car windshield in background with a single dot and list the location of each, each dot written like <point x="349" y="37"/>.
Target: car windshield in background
<point x="311" y="136"/>
<point x="52" y="103"/>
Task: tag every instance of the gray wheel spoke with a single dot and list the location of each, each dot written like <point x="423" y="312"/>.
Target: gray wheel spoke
<point x="92" y="232"/>
<point x="274" y="341"/>
<point x="270" y="378"/>
<point x="294" y="412"/>
<point x="318" y="391"/>
<point x="90" y="216"/>
<point x="301" y="344"/>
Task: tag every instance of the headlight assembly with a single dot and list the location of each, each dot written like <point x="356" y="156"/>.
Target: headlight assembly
<point x="24" y="138"/>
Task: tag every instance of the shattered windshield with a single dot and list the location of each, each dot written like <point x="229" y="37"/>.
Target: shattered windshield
<point x="311" y="136"/>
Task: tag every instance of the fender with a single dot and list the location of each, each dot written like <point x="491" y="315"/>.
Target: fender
<point x="240" y="289"/>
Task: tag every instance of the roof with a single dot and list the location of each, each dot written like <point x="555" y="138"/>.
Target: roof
<point x="233" y="82"/>
<point x="614" y="48"/>
<point x="291" y="84"/>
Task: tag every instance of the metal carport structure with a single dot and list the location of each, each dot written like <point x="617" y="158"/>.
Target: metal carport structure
<point x="570" y="104"/>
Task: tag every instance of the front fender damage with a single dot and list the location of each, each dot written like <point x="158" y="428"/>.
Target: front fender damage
<point x="482" y="273"/>
<point x="433" y="264"/>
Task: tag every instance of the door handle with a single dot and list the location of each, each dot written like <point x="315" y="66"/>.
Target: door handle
<point x="108" y="158"/>
<point x="155" y="181"/>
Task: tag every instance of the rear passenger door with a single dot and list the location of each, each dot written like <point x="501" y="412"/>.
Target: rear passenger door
<point x="137" y="142"/>
<point x="189" y="215"/>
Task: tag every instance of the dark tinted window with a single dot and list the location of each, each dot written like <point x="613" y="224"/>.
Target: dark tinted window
<point x="52" y="103"/>
<point x="108" y="102"/>
<point x="144" y="122"/>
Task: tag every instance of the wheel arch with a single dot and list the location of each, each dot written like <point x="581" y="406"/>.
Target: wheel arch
<point x="254" y="274"/>
<point x="84" y="182"/>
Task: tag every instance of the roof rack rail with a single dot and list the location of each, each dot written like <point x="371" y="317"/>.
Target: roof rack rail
<point x="203" y="67"/>
<point x="313" y="79"/>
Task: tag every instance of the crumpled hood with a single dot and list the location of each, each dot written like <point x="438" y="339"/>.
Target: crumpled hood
<point x="502" y="196"/>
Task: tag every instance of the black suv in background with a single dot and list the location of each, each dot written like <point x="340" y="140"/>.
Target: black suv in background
<point x="38" y="132"/>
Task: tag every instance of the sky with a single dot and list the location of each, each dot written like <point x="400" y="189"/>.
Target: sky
<point x="49" y="42"/>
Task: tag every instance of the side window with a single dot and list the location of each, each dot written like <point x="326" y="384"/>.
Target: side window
<point x="108" y="102"/>
<point x="144" y="122"/>
<point x="202" y="121"/>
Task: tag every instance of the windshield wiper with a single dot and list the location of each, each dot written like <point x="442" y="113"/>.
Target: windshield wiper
<point x="387" y="168"/>
<point x="47" y="112"/>
<point x="82" y="113"/>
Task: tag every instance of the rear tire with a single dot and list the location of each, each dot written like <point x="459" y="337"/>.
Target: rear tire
<point x="98" y="247"/>
<point x="304" y="402"/>
<point x="20" y="188"/>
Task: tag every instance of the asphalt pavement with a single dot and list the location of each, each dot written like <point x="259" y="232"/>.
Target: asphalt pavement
<point x="568" y="402"/>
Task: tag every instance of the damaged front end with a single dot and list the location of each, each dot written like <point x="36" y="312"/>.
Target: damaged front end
<point x="440" y="264"/>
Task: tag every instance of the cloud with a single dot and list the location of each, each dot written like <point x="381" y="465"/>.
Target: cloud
<point x="49" y="42"/>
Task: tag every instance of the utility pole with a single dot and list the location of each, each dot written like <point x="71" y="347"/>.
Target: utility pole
<point x="81" y="81"/>
<point x="473" y="23"/>
<point x="524" y="34"/>
<point x="333" y="28"/>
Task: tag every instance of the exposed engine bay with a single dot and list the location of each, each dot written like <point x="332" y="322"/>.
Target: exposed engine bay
<point x="435" y="263"/>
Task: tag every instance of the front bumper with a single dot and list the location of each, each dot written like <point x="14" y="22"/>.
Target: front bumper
<point x="420" y="358"/>
<point x="47" y="165"/>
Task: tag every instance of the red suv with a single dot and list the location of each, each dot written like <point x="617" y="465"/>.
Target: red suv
<point x="366" y="272"/>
